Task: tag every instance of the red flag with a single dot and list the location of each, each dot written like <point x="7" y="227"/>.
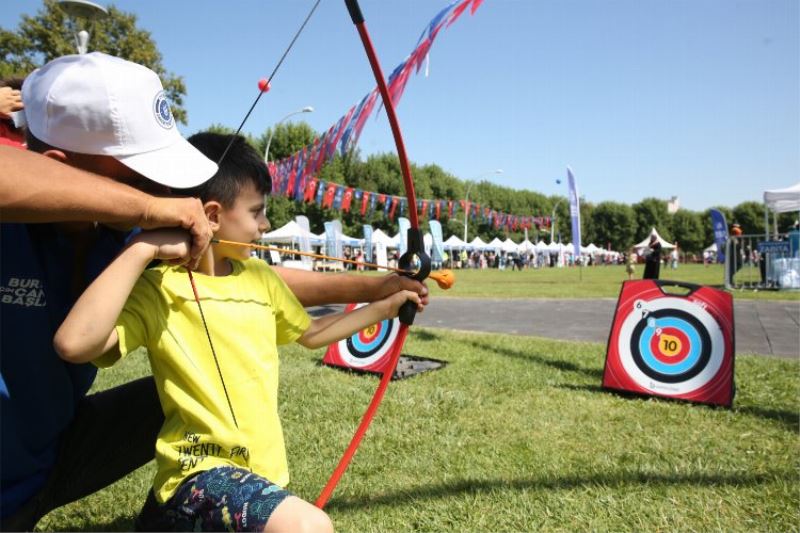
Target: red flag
<point x="395" y="201"/>
<point x="424" y="207"/>
<point x="364" y="202"/>
<point x="327" y="200"/>
<point x="347" y="199"/>
<point x="311" y="190"/>
<point x="438" y="209"/>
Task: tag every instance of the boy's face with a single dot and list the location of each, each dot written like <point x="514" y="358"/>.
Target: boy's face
<point x="245" y="221"/>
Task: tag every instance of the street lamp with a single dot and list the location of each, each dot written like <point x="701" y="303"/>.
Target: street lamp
<point x="83" y="9"/>
<point x="553" y="219"/>
<point x="306" y="109"/>
<point x="466" y="196"/>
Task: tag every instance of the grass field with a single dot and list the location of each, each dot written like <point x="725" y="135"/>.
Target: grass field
<point x="592" y="282"/>
<point x="515" y="434"/>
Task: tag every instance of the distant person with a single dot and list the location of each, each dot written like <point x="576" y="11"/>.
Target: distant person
<point x="630" y="263"/>
<point x="652" y="262"/>
<point x="794" y="240"/>
<point x="674" y="257"/>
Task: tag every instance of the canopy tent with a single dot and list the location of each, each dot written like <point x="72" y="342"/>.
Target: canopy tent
<point x="710" y="249"/>
<point x="541" y="247"/>
<point x="378" y="236"/>
<point x="592" y="249"/>
<point x="478" y="243"/>
<point x="526" y="246"/>
<point x="290" y="233"/>
<point x="510" y="246"/>
<point x="495" y="244"/>
<point x="454" y="242"/>
<point x="646" y="243"/>
<point x="346" y="240"/>
<point x="783" y="200"/>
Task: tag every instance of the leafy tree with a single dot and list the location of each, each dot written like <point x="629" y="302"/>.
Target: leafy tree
<point x="652" y="213"/>
<point x="50" y="34"/>
<point x="615" y="224"/>
<point x="687" y="229"/>
<point x="750" y="215"/>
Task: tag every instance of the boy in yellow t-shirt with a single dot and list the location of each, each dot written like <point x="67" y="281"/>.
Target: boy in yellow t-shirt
<point x="220" y="453"/>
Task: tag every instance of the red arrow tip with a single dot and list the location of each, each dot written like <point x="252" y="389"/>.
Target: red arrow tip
<point x="263" y="85"/>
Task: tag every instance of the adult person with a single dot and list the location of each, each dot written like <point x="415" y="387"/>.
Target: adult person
<point x="10" y="105"/>
<point x="652" y="263"/>
<point x="112" y="151"/>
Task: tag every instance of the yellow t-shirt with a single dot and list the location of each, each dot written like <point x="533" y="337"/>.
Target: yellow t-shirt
<point x="249" y="313"/>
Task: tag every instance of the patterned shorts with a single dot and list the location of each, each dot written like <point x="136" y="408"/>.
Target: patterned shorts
<point x="220" y="499"/>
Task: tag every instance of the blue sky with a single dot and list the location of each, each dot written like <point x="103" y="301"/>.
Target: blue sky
<point x="698" y="99"/>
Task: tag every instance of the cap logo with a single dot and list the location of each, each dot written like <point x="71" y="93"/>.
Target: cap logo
<point x="162" y="112"/>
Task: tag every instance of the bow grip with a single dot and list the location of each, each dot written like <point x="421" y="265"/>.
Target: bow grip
<point x="406" y="262"/>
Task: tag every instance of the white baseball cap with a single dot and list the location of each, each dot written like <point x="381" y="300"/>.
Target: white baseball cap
<point x="103" y="105"/>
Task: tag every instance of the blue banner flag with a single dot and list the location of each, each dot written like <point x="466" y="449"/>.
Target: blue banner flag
<point x="720" y="233"/>
<point x="574" y="213"/>
<point x="368" y="243"/>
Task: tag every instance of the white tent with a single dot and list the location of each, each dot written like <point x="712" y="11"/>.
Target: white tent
<point x="526" y="246"/>
<point x="591" y="248"/>
<point x="646" y="243"/>
<point x="495" y="244"/>
<point x="378" y="236"/>
<point x="710" y="249"/>
<point x="510" y="246"/>
<point x="541" y="247"/>
<point x="478" y="243"/>
<point x="783" y="200"/>
<point x="454" y="242"/>
<point x="290" y="233"/>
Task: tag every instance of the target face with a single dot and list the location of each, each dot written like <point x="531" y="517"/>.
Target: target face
<point x="367" y="348"/>
<point x="672" y="345"/>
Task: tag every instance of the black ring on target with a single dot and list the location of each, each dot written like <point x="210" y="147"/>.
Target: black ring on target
<point x="358" y="352"/>
<point x="705" y="349"/>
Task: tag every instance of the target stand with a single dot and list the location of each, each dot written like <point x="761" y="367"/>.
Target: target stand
<point x="369" y="351"/>
<point x="678" y="346"/>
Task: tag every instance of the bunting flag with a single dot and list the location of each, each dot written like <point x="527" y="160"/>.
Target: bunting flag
<point x="344" y="134"/>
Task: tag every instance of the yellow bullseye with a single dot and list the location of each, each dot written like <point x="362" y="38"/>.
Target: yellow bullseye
<point x="669" y="345"/>
<point x="370" y="331"/>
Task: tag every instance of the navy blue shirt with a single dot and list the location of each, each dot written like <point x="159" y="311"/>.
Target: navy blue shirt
<point x="39" y="392"/>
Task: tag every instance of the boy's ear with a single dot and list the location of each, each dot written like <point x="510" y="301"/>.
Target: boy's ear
<point x="213" y="210"/>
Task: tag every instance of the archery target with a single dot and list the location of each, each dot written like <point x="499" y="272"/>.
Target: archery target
<point x="678" y="346"/>
<point x="367" y="349"/>
<point x="670" y="345"/>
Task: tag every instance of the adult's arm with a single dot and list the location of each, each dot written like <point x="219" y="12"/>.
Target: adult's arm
<point x="35" y="188"/>
<point x="318" y="288"/>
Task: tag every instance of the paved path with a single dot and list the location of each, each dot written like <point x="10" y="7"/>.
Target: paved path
<point x="766" y="328"/>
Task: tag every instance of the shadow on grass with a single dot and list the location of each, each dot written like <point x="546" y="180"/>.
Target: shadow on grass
<point x="558" y="364"/>
<point x="118" y="524"/>
<point x="790" y="420"/>
<point x="613" y="480"/>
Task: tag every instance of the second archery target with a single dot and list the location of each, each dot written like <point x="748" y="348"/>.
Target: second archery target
<point x="676" y="346"/>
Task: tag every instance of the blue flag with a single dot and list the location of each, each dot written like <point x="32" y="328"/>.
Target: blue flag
<point x="574" y="213"/>
<point x="720" y="233"/>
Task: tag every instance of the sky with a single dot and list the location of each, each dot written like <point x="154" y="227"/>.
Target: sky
<point x="698" y="99"/>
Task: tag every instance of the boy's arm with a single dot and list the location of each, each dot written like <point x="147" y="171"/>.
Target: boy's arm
<point x="332" y="328"/>
<point x="317" y="288"/>
<point x="89" y="329"/>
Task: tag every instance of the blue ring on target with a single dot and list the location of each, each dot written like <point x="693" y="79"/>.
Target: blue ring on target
<point x="640" y="357"/>
<point x="694" y="344"/>
<point x="359" y="349"/>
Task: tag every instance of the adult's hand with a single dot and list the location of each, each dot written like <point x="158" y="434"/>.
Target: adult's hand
<point x="187" y="213"/>
<point x="10" y="101"/>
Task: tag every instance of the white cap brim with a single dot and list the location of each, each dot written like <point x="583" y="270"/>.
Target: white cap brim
<point x="179" y="165"/>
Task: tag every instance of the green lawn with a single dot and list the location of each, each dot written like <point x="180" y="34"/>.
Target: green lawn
<point x="515" y="434"/>
<point x="589" y="282"/>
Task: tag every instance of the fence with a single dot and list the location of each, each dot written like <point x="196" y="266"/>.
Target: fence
<point x="754" y="262"/>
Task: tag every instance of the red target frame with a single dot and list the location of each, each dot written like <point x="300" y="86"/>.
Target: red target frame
<point x="695" y="359"/>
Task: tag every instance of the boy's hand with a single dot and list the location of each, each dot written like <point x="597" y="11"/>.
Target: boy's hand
<point x="187" y="213"/>
<point x="171" y="245"/>
<point x="396" y="300"/>
<point x="391" y="283"/>
<point x="10" y="101"/>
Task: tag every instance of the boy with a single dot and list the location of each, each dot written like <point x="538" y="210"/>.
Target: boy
<point x="220" y="453"/>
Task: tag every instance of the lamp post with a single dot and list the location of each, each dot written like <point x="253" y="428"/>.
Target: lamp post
<point x="306" y="109"/>
<point x="553" y="219"/>
<point x="471" y="182"/>
<point x="83" y="9"/>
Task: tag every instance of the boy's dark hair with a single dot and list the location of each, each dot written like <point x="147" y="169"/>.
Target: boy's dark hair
<point x="242" y="164"/>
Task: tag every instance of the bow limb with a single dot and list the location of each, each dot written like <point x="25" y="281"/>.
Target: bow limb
<point x="415" y="251"/>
